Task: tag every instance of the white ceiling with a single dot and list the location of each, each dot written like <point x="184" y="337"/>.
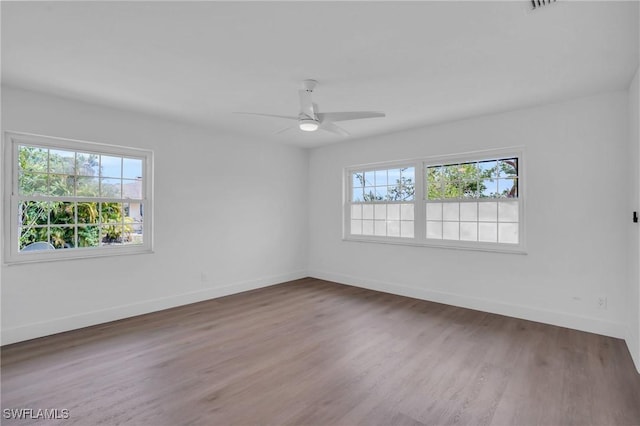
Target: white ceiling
<point x="420" y="62"/>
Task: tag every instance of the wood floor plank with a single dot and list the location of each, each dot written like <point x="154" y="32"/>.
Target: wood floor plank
<point x="313" y="352"/>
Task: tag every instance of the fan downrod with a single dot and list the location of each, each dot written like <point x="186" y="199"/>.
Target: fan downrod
<point x="309" y="85"/>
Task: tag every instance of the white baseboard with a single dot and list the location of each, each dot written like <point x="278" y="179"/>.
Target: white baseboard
<point x="576" y="322"/>
<point x="58" y="325"/>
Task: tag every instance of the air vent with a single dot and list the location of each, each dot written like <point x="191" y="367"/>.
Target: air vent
<point x="539" y="3"/>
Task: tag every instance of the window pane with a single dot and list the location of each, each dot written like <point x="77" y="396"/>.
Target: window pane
<point x="393" y="176"/>
<point x="434" y="230"/>
<point x="434" y="211"/>
<point x="508" y="167"/>
<point x="469" y="231"/>
<point x="62" y="213"/>
<point x="110" y="188"/>
<point x="393" y="228"/>
<point x="367" y="227"/>
<point x="508" y="211"/>
<point x="380" y="227"/>
<point x="131" y="168"/>
<point x="31" y="213"/>
<point x="32" y="184"/>
<point x="380" y="212"/>
<point x="450" y="211"/>
<point x="434" y="183"/>
<point x="489" y="188"/>
<point x="369" y="178"/>
<point x="468" y="211"/>
<point x="508" y="233"/>
<point x="357" y="196"/>
<point x="134" y="234"/>
<point x="62" y="162"/>
<point x="356" y="211"/>
<point x="87" y="164"/>
<point x="488" y="169"/>
<point x="450" y="230"/>
<point x="408" y="173"/>
<point x="508" y="187"/>
<point x="88" y="236"/>
<point x="32" y="234"/>
<point x="88" y="212"/>
<point x="112" y="234"/>
<point x="33" y="159"/>
<point x="380" y="193"/>
<point x="406" y="211"/>
<point x="61" y="185"/>
<point x="393" y="211"/>
<point x="487" y="212"/>
<point x="357" y="180"/>
<point x="488" y="232"/>
<point x="406" y="229"/>
<point x="110" y="166"/>
<point x="367" y="211"/>
<point x="381" y="177"/>
<point x="452" y="189"/>
<point x="111" y="212"/>
<point x="62" y="237"/>
<point x="88" y="187"/>
<point x="369" y="193"/>
<point x="470" y="189"/>
<point x="356" y="227"/>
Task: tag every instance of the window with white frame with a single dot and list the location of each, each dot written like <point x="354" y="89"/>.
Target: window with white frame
<point x="472" y="200"/>
<point x="75" y="199"/>
<point x="382" y="202"/>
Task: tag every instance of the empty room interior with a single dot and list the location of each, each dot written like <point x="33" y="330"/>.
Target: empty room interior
<point x="320" y="213"/>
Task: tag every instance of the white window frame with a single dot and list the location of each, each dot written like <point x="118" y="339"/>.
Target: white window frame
<point x="420" y="201"/>
<point x="11" y="198"/>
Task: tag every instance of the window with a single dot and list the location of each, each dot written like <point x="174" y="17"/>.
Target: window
<point x="470" y="201"/>
<point x="382" y="202"/>
<point x="75" y="199"/>
<point x="473" y="201"/>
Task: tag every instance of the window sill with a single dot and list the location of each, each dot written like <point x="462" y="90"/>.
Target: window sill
<point x="486" y="247"/>
<point x="64" y="255"/>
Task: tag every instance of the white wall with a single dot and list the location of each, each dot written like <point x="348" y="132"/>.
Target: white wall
<point x="633" y="297"/>
<point x="233" y="209"/>
<point x="576" y="218"/>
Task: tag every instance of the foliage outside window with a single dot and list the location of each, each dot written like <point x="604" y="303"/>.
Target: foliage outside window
<point x="76" y="197"/>
<point x="468" y="201"/>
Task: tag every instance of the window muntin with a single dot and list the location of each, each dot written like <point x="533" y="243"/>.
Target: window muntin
<point x="382" y="202"/>
<point x="83" y="199"/>
<point x="471" y="201"/>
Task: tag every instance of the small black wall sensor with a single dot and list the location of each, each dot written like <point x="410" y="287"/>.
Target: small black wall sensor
<point x="539" y="3"/>
<point x="635" y="217"/>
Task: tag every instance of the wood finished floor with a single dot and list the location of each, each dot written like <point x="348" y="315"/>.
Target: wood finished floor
<point x="312" y="352"/>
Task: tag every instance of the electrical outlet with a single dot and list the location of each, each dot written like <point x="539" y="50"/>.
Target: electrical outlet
<point x="602" y="302"/>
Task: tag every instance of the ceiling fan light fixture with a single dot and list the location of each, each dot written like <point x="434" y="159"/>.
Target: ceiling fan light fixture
<point x="308" y="125"/>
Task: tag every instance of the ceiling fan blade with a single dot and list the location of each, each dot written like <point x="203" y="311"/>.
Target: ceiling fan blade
<point x="349" y="115"/>
<point x="306" y="104"/>
<point x="285" y="129"/>
<point x="332" y="128"/>
<point x="289" y="117"/>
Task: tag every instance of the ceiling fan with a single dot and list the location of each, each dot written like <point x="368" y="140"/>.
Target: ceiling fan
<point x="310" y="119"/>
